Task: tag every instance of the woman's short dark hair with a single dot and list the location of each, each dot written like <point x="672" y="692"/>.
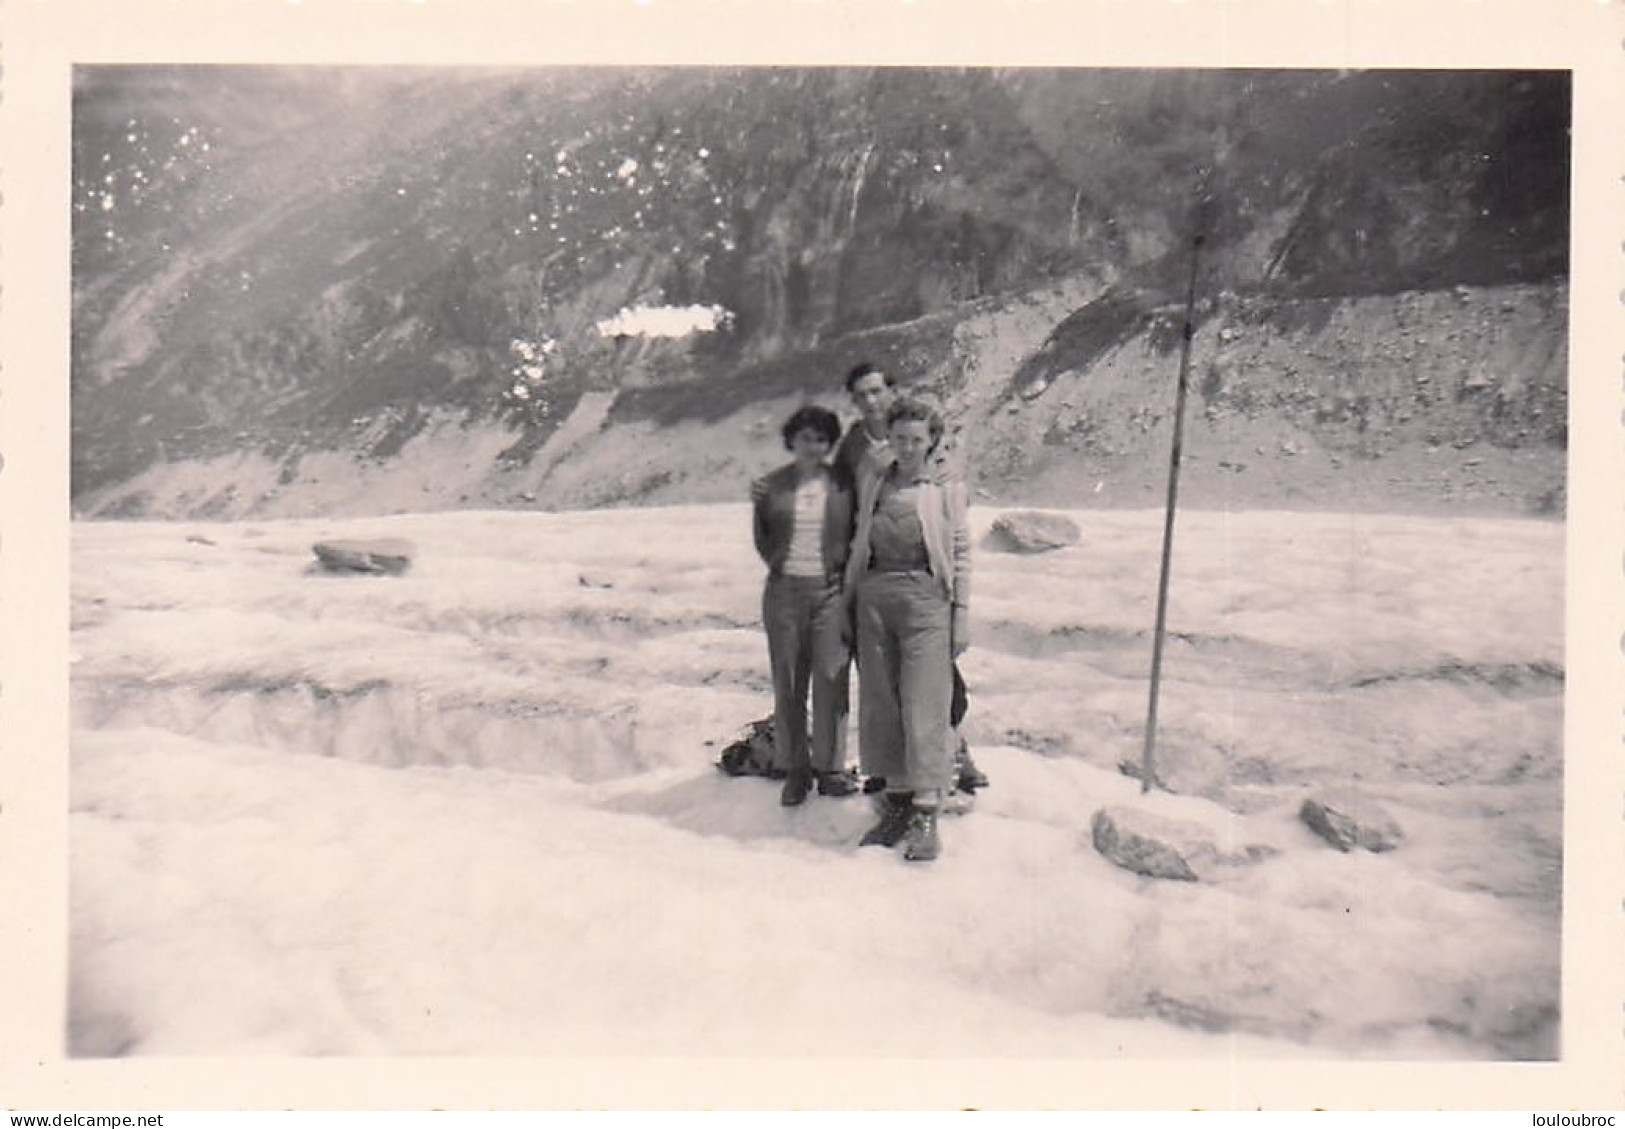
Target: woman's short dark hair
<point x="811" y="418"/>
<point x="913" y="409"/>
<point x="866" y="369"/>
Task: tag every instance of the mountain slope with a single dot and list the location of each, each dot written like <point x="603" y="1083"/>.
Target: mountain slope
<point x="298" y="265"/>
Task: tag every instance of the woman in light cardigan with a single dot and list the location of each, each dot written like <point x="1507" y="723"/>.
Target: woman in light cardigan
<point x="908" y="592"/>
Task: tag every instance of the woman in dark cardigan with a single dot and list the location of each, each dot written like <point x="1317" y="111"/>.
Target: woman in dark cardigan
<point x="803" y="527"/>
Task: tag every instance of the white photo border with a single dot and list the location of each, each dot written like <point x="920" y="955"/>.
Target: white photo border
<point x="42" y="40"/>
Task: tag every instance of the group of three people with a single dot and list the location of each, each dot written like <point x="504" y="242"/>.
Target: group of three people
<point x="868" y="557"/>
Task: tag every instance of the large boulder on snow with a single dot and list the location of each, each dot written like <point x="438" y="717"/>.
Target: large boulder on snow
<point x="1152" y="845"/>
<point x="1028" y="531"/>
<point x="1347" y="820"/>
<point x="1160" y="846"/>
<point x="384" y="557"/>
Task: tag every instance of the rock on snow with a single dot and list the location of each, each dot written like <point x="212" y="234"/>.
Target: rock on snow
<point x="390" y="556"/>
<point x="1029" y="531"/>
<point x="1160" y="846"/>
<point x="1347" y="820"/>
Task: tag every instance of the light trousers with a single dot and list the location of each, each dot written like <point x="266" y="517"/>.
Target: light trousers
<point x="905" y="679"/>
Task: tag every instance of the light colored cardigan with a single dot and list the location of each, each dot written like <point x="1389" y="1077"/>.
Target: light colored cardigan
<point x="942" y="508"/>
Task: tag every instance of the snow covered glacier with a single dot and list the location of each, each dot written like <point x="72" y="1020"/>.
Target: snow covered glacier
<point x="472" y="809"/>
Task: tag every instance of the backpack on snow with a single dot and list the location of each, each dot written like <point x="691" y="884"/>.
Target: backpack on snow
<point x="751" y="753"/>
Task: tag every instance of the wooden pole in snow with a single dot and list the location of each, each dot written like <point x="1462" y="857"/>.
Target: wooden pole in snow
<point x="1147" y="757"/>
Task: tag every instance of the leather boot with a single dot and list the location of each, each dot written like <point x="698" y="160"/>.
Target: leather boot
<point x="970" y="777"/>
<point x="893" y="823"/>
<point x="836" y="784"/>
<point x="922" y="844"/>
<point x="796" y="787"/>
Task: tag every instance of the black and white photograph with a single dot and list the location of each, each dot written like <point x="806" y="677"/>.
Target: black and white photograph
<point x="809" y="561"/>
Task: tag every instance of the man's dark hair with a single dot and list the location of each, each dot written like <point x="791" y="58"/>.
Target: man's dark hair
<point x="910" y="408"/>
<point x="866" y="369"/>
<point x="810" y="417"/>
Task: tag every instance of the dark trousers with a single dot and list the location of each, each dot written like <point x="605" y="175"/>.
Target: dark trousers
<point x="802" y="618"/>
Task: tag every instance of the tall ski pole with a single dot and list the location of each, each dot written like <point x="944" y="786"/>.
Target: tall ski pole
<point x="1148" y="755"/>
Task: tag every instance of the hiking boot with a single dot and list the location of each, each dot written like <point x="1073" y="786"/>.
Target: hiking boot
<point x="921" y="843"/>
<point x="874" y="784"/>
<point x="836" y="784"/>
<point x="893" y="823"/>
<point x="970" y="777"/>
<point x="796" y="786"/>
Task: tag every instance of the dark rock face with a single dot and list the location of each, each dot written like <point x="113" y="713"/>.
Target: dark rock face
<point x="1347" y="821"/>
<point x="1028" y="531"/>
<point x="385" y="557"/>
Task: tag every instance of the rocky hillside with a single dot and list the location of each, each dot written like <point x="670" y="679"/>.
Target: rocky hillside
<point x="307" y="290"/>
